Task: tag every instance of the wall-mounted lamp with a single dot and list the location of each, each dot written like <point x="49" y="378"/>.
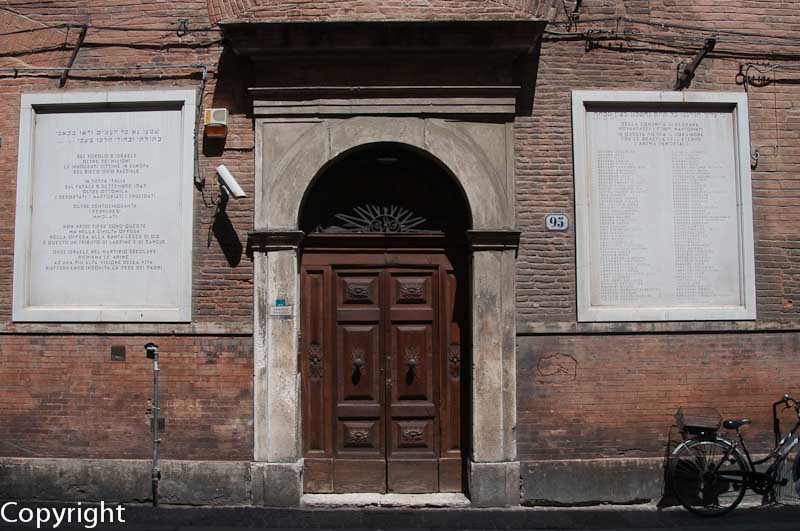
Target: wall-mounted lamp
<point x="215" y="124"/>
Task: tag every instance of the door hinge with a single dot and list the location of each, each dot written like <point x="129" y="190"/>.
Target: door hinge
<point x="299" y="349"/>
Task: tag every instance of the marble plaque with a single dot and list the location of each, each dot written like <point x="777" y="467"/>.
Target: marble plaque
<point x="104" y="212"/>
<point x="663" y="206"/>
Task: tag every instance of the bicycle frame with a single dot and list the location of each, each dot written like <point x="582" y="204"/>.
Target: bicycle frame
<point x="762" y="482"/>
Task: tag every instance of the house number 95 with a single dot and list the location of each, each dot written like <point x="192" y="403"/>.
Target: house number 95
<point x="556" y="221"/>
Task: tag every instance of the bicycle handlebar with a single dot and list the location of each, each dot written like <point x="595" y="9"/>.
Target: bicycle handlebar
<point x="789" y="402"/>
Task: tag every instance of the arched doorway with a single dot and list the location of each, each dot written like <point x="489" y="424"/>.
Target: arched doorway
<point x="295" y="147"/>
<point x="384" y="319"/>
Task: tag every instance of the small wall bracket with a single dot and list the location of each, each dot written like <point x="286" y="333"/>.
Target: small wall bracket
<point x="686" y="74"/>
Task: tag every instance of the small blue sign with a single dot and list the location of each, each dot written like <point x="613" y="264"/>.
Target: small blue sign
<point x="280" y="302"/>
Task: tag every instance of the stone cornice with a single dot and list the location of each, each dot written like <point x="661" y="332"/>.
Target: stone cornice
<point x="265" y="241"/>
<point x="493" y="240"/>
<point x="415" y="67"/>
<point x="384" y="100"/>
<point x="253" y="39"/>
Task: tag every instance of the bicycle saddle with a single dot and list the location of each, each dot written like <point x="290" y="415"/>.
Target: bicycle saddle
<point x="731" y="424"/>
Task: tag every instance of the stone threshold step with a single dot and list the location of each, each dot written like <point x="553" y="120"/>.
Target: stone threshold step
<point x="439" y="499"/>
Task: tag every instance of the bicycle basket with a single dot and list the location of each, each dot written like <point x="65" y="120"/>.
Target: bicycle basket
<point x="698" y="420"/>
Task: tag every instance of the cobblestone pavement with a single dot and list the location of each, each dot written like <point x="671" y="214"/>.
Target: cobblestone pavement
<point x="606" y="518"/>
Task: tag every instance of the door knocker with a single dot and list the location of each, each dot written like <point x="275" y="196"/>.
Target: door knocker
<point x="358" y="364"/>
<point x="412" y="355"/>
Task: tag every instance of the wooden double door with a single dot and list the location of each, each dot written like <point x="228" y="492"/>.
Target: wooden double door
<point x="381" y="372"/>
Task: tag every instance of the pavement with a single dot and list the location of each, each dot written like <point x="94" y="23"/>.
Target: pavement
<point x="606" y="518"/>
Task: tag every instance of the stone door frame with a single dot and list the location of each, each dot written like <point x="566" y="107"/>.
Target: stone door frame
<point x="297" y="138"/>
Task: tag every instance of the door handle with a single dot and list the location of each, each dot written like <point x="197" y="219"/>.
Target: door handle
<point x="358" y="360"/>
<point x="358" y="364"/>
<point x="411" y="363"/>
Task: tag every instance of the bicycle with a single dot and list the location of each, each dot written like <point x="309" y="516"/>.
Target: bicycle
<point x="709" y="474"/>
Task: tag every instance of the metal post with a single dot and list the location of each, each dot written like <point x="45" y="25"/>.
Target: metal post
<point x="155" y="475"/>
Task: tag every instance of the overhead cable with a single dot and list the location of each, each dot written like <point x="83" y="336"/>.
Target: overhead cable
<point x="669" y="25"/>
<point x="184" y="28"/>
<point x="105" y="67"/>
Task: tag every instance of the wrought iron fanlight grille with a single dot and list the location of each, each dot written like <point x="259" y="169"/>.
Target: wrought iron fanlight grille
<point x="374" y="218"/>
<point x="363" y="194"/>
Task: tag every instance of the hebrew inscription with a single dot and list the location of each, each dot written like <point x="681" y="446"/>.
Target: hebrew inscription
<point x="107" y="225"/>
<point x="106" y="196"/>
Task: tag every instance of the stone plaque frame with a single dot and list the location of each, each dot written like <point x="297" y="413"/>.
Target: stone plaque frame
<point x="80" y="102"/>
<point x="583" y="103"/>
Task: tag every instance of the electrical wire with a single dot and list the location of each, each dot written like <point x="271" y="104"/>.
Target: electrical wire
<point x="104" y="67"/>
<point x="70" y="25"/>
<point x="666" y="37"/>
<point x="33" y="30"/>
<point x="714" y="31"/>
<point x="150" y="28"/>
<point x="679" y="43"/>
<point x="204" y="29"/>
<point x="199" y="179"/>
<point x="668" y="25"/>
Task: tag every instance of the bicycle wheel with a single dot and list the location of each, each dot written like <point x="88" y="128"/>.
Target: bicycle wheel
<point x="702" y="482"/>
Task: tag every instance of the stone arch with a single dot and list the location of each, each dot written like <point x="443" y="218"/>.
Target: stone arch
<point x="444" y="208"/>
<point x="317" y="148"/>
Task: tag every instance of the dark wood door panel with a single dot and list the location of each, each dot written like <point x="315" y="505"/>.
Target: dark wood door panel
<point x="358" y="363"/>
<point x="450" y="474"/>
<point x="381" y="375"/>
<point x="412" y="355"/>
<point x="357" y="289"/>
<point x="412" y="410"/>
<point x="411" y="289"/>
<point x="450" y="365"/>
<point x="359" y="475"/>
<point x="318" y="475"/>
<point x="360" y="437"/>
<point x="411" y="294"/>
<point x="413" y="438"/>
<point x="410" y="476"/>
<point x="313" y="288"/>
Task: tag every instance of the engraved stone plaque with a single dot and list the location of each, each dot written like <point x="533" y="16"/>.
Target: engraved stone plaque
<point x="663" y="206"/>
<point x="104" y="212"/>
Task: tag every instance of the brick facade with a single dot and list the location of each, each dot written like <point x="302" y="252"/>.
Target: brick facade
<point x="62" y="396"/>
<point x="631" y="377"/>
<point x="591" y="395"/>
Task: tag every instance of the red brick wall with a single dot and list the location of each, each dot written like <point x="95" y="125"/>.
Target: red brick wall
<point x="629" y="383"/>
<point x="63" y="396"/>
<point x="631" y="377"/>
<point x="60" y="393"/>
<point x="614" y="395"/>
<point x="546" y="273"/>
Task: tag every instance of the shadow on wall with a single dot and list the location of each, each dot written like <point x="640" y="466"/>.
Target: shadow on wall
<point x="225" y="233"/>
<point x="231" y="82"/>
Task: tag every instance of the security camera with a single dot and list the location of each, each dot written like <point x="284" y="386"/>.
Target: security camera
<point x="228" y="183"/>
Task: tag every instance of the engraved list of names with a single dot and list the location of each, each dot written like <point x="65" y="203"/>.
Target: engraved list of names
<point x="104" y="224"/>
<point x="663" y="217"/>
